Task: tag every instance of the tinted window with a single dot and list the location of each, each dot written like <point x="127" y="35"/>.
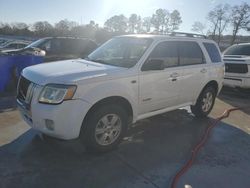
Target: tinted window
<point x="55" y="46"/>
<point x="166" y="51"/>
<point x="190" y="53"/>
<point x="238" y="50"/>
<point x="213" y="52"/>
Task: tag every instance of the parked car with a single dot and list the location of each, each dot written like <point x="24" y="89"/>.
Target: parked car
<point x="49" y="49"/>
<point x="126" y="79"/>
<point x="60" y="48"/>
<point x="237" y="66"/>
<point x="14" y="45"/>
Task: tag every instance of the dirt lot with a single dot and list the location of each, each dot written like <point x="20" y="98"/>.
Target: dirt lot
<point x="149" y="156"/>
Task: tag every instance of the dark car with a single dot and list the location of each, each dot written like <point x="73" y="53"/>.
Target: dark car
<point x="59" y="48"/>
<point x="12" y="62"/>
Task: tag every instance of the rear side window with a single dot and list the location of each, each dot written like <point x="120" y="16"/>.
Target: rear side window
<point x="190" y="53"/>
<point x="166" y="51"/>
<point x="213" y="52"/>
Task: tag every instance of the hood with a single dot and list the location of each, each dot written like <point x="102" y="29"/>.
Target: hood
<point x="67" y="72"/>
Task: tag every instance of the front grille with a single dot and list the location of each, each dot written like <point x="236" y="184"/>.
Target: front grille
<point x="25" y="90"/>
<point x="236" y="68"/>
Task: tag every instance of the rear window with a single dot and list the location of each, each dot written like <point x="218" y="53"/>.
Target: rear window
<point x="190" y="53"/>
<point x="238" y="50"/>
<point x="213" y="52"/>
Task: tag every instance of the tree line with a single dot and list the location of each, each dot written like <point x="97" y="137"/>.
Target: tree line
<point x="162" y="21"/>
<point x="220" y="19"/>
<point x="223" y="18"/>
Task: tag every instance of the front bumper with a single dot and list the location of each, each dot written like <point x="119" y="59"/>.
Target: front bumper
<point x="65" y="119"/>
<point x="233" y="81"/>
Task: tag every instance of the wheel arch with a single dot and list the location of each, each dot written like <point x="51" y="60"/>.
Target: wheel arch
<point x="112" y="100"/>
<point x="213" y="84"/>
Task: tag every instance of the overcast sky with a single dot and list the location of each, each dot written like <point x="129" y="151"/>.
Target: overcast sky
<point x="82" y="11"/>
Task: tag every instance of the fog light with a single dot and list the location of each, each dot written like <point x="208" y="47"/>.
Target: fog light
<point x="49" y="124"/>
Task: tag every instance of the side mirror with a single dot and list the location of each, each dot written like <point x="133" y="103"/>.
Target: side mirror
<point x="153" y="64"/>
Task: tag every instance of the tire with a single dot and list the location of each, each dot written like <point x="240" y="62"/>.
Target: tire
<point x="204" y="103"/>
<point x="104" y="128"/>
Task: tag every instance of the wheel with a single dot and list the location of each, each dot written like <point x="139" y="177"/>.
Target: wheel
<point x="205" y="102"/>
<point x="105" y="127"/>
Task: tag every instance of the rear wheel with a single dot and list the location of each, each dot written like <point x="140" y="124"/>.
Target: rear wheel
<point x="205" y="102"/>
<point x="104" y="128"/>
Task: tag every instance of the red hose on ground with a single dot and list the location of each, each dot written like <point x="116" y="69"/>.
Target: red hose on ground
<point x="195" y="150"/>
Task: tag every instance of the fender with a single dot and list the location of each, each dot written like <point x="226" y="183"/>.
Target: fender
<point x="122" y="87"/>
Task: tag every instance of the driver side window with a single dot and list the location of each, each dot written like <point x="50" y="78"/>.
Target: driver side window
<point x="166" y="52"/>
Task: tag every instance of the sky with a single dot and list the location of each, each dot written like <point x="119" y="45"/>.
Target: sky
<point x="82" y="11"/>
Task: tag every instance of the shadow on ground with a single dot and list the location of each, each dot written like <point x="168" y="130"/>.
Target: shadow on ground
<point x="149" y="156"/>
<point x="236" y="98"/>
<point x="7" y="103"/>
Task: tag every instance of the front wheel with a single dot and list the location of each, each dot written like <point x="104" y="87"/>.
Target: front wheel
<point x="104" y="128"/>
<point x="205" y="102"/>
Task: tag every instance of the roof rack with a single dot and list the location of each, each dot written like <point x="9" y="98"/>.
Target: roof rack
<point x="182" y="34"/>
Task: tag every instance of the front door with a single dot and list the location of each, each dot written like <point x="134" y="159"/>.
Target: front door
<point x="159" y="89"/>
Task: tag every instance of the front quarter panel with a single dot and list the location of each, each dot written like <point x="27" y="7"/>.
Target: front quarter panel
<point x="126" y="87"/>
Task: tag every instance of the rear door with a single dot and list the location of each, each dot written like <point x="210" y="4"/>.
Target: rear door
<point x="195" y="70"/>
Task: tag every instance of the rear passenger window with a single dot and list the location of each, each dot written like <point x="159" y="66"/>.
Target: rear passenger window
<point x="213" y="52"/>
<point x="190" y="53"/>
<point x="166" y="51"/>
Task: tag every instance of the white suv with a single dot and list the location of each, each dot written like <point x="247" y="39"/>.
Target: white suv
<point x="126" y="79"/>
<point x="237" y="66"/>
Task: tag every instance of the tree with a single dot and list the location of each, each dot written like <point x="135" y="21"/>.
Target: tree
<point x="175" y="20"/>
<point x="132" y="22"/>
<point x="146" y="23"/>
<point x="240" y="18"/>
<point x="198" y="27"/>
<point x="43" y="28"/>
<point x="117" y="23"/>
<point x="219" y="19"/>
<point x="158" y="20"/>
<point x="165" y="22"/>
<point x="63" y="27"/>
<point x="138" y="26"/>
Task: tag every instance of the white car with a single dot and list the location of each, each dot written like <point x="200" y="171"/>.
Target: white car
<point x="237" y="66"/>
<point x="126" y="79"/>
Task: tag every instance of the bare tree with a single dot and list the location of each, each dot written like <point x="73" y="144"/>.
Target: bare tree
<point x="198" y="27"/>
<point x="240" y="18"/>
<point x="42" y="28"/>
<point x="63" y="27"/>
<point x="219" y="19"/>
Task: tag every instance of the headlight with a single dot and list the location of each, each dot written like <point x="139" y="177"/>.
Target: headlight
<point x="56" y="93"/>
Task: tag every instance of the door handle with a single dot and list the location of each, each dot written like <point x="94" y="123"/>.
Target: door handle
<point x="203" y="70"/>
<point x="174" y="75"/>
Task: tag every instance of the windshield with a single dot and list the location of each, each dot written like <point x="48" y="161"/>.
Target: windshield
<point x="37" y="44"/>
<point x="121" y="51"/>
<point x="238" y="50"/>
